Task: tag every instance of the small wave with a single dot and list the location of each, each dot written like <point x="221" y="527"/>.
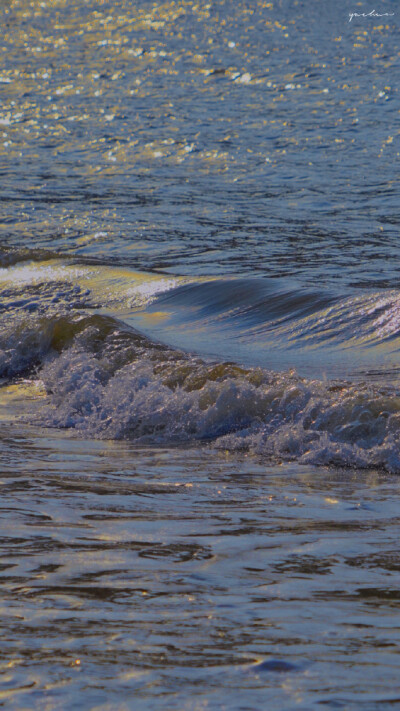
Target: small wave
<point x="133" y="389"/>
<point x="104" y="379"/>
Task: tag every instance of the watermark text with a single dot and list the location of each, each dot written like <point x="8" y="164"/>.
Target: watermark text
<point x="373" y="13"/>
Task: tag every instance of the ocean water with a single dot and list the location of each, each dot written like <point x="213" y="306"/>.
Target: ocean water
<point x="199" y="355"/>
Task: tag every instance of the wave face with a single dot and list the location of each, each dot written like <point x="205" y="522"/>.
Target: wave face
<point x="261" y="322"/>
<point x="69" y="329"/>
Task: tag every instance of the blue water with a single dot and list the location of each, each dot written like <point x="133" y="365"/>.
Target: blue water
<point x="199" y="354"/>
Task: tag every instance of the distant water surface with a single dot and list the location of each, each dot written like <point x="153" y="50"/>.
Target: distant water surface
<point x="204" y="138"/>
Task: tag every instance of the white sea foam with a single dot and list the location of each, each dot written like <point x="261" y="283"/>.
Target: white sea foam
<point x="147" y="291"/>
<point x="277" y="416"/>
<point x="34" y="272"/>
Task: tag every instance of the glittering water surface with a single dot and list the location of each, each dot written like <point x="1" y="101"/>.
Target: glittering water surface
<point x="199" y="355"/>
<point x="219" y="137"/>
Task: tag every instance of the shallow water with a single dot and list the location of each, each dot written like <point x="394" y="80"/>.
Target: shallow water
<point x="165" y="577"/>
<point x="200" y="399"/>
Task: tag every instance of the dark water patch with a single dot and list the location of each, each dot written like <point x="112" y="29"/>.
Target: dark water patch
<point x="305" y="565"/>
<point x="388" y="560"/>
<point x="178" y="552"/>
<point x="275" y="666"/>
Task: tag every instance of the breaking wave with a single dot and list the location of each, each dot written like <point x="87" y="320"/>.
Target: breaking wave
<point x="104" y="379"/>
